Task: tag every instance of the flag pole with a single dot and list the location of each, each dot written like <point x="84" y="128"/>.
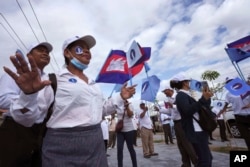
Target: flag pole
<point x="238" y="70"/>
<point x="112" y="91"/>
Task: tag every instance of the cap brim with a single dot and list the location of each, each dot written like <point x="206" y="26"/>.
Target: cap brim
<point x="47" y="45"/>
<point x="90" y="40"/>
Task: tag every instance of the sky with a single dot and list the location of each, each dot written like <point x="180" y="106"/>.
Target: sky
<point x="185" y="35"/>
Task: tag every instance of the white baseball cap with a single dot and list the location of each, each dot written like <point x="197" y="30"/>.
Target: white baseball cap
<point x="45" y="44"/>
<point x="181" y="77"/>
<point x="165" y="86"/>
<point x="90" y="41"/>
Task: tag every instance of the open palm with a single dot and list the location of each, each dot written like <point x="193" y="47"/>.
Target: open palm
<point x="27" y="78"/>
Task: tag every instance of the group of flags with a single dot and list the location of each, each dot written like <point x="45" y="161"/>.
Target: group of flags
<point x="121" y="66"/>
<point x="237" y="51"/>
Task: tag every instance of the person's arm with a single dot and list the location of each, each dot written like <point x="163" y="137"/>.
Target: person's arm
<point x="163" y="110"/>
<point x="3" y="111"/>
<point x="165" y="117"/>
<point x="223" y="110"/>
<point x="129" y="110"/>
<point x="186" y="105"/>
<point x="27" y="109"/>
<point x="9" y="91"/>
<point x="144" y="112"/>
<point x="117" y="102"/>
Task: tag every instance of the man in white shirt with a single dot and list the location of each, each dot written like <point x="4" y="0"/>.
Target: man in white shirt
<point x="146" y="128"/>
<point x="241" y="108"/>
<point x="165" y="120"/>
<point x="18" y="144"/>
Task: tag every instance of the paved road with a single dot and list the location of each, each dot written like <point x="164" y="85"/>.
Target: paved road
<point x="169" y="154"/>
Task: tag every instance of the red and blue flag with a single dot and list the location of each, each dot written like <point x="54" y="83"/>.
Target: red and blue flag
<point x="243" y="44"/>
<point x="115" y="68"/>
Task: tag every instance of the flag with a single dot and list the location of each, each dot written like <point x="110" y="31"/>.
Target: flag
<point x="237" y="87"/>
<point x="219" y="104"/>
<point x="195" y="85"/>
<point x="150" y="87"/>
<point x="146" y="66"/>
<point x="134" y="54"/>
<point x="236" y="54"/>
<point x="243" y="44"/>
<point x="198" y="85"/>
<point x="115" y="68"/>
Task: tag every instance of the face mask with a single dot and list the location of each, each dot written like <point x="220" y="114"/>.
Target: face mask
<point x="78" y="64"/>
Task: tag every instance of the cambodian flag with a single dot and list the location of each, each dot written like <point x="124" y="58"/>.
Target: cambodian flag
<point x="115" y="68"/>
<point x="243" y="44"/>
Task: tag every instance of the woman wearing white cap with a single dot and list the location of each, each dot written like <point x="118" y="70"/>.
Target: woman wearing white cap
<point x="74" y="136"/>
<point x="18" y="144"/>
<point x="188" y="108"/>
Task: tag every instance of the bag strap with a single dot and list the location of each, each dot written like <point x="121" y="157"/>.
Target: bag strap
<point x="52" y="78"/>
<point x="123" y="115"/>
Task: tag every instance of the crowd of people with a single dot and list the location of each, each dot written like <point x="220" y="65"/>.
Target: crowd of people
<point x="66" y="125"/>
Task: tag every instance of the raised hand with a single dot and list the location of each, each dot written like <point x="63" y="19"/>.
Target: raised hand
<point x="27" y="78"/>
<point x="127" y="92"/>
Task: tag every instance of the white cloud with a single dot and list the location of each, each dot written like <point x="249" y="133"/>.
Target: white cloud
<point x="183" y="36"/>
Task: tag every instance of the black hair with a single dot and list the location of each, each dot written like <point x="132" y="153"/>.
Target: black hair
<point x="177" y="85"/>
<point x="66" y="60"/>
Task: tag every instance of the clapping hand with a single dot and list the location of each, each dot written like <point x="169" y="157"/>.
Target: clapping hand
<point x="27" y="78"/>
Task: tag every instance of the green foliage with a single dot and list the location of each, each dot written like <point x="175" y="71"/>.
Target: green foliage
<point x="211" y="76"/>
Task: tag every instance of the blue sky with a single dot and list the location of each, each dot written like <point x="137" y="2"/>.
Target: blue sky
<point x="185" y="35"/>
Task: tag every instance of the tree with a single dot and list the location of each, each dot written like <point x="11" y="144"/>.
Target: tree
<point x="211" y="76"/>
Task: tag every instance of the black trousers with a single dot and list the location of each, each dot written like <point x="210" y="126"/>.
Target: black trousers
<point x="18" y="145"/>
<point x="187" y="151"/>
<point x="222" y="126"/>
<point x="127" y="137"/>
<point x="167" y="133"/>
<point x="243" y="124"/>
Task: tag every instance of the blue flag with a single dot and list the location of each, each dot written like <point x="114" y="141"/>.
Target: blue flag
<point x="237" y="87"/>
<point x="195" y="85"/>
<point x="236" y="54"/>
<point x="150" y="87"/>
<point x="198" y="85"/>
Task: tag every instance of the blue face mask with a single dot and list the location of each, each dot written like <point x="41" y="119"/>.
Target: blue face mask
<point x="78" y="64"/>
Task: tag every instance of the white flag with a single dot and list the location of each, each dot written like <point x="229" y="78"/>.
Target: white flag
<point x="133" y="54"/>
